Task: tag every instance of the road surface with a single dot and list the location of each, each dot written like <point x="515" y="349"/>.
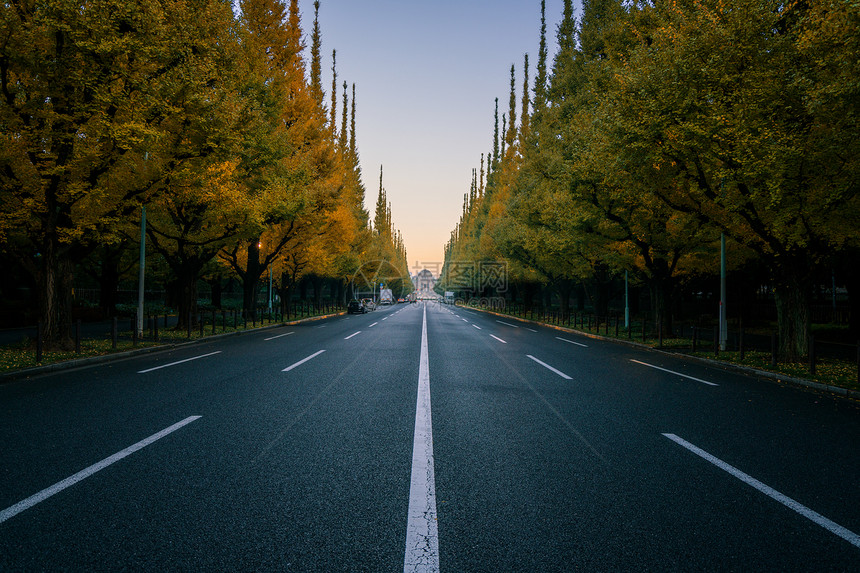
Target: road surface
<point x="423" y="437"/>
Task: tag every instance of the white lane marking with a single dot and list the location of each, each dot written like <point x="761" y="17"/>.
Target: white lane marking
<point x="386" y="318"/>
<point x="547" y="366"/>
<point x="351" y="335"/>
<point x="530" y="329"/>
<point x="465" y="319"/>
<point x="499" y="339"/>
<point x="507" y="324"/>
<point x="572" y="342"/>
<point x="322" y="326"/>
<point x="280" y="335"/>
<point x="374" y="324"/>
<point x="813" y="516"/>
<point x="422" y="533"/>
<point x="87" y="472"/>
<point x="300" y="362"/>
<point x="178" y="362"/>
<point x="675" y="373"/>
<point x="478" y="327"/>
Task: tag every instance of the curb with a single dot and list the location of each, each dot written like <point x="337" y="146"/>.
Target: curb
<point x="771" y="376"/>
<point x="105" y="358"/>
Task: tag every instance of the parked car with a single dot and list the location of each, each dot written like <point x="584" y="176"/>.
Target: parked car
<point x="368" y="304"/>
<point x="356" y="307"/>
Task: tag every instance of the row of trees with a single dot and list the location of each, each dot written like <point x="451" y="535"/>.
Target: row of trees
<point x="662" y="126"/>
<point x="206" y="118"/>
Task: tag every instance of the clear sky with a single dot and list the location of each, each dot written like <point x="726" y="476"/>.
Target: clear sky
<point x="427" y="73"/>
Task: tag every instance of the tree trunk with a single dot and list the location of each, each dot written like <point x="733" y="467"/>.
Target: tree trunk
<point x="55" y="280"/>
<point x="186" y="292"/>
<point x="565" y="286"/>
<point x="285" y="290"/>
<point x="792" y="293"/>
<point x="317" y="282"/>
<point x="108" y="286"/>
<point x="303" y="289"/>
<point x="251" y="280"/>
<point x="849" y="271"/>
<point x="600" y="285"/>
<point x="661" y="286"/>
<point x="217" y="290"/>
<point x="580" y="297"/>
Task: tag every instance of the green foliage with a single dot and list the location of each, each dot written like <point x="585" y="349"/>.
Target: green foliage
<point x="667" y="124"/>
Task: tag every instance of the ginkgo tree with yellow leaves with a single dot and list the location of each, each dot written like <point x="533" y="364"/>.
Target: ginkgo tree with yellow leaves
<point x="203" y="116"/>
<point x="87" y="94"/>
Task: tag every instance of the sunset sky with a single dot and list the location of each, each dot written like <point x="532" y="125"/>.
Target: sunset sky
<point x="426" y="75"/>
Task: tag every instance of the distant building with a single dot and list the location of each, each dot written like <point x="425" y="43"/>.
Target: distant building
<point x="424" y="282"/>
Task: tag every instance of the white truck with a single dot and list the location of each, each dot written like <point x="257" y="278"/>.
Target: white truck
<point x="385" y="296"/>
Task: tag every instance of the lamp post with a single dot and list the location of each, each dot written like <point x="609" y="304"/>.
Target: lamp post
<point x="626" y="303"/>
<point x="724" y="332"/>
<point x="142" y="265"/>
<point x="141" y="271"/>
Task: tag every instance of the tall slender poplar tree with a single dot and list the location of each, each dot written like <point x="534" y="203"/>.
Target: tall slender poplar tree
<point x="511" y="134"/>
<point x="524" y="114"/>
<point x="316" y="64"/>
<point x="333" y="110"/>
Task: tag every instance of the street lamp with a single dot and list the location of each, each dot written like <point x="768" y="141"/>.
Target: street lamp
<point x="724" y="333"/>
<point x="141" y="271"/>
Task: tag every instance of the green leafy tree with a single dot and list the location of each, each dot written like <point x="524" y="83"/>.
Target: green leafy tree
<point x="737" y="105"/>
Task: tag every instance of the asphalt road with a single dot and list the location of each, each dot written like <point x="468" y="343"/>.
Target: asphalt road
<point x="295" y="449"/>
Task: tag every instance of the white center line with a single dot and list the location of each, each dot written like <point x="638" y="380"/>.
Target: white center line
<point x="300" y="362"/>
<point x="548" y="367"/>
<point x="675" y="373"/>
<point x="422" y="532"/>
<point x="353" y="334"/>
<point x="813" y="516"/>
<point x="499" y="339"/>
<point x="177" y="362"/>
<point x="478" y="327"/>
<point x="87" y="472"/>
<point x="278" y="336"/>
<point x="572" y="342"/>
<point x="507" y="324"/>
<point x="372" y="325"/>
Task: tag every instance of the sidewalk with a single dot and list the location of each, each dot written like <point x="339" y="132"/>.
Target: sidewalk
<point x="770" y="376"/>
<point x="93" y="360"/>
